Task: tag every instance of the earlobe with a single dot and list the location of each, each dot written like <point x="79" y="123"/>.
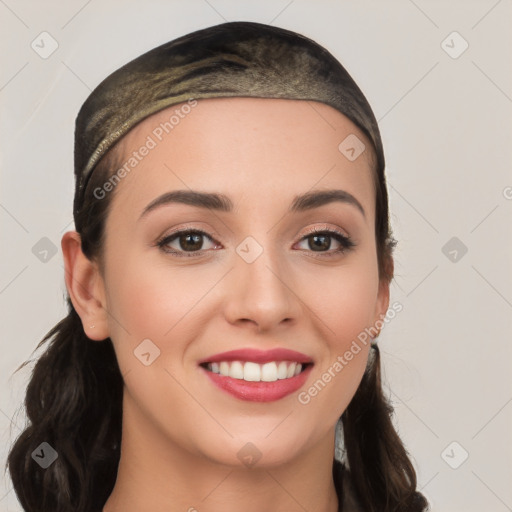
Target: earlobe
<point x="85" y="287"/>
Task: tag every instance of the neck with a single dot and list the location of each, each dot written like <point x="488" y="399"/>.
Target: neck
<point x="156" y="474"/>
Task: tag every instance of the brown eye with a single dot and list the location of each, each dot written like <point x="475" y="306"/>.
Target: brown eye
<point x="321" y="241"/>
<point x="191" y="241"/>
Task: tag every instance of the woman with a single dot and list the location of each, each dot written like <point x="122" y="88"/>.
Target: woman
<point x="227" y="279"/>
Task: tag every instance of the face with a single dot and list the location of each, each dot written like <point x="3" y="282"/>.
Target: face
<point x="251" y="278"/>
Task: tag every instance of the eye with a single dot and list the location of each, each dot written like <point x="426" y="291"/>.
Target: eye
<point x="189" y="240"/>
<point x="319" y="239"/>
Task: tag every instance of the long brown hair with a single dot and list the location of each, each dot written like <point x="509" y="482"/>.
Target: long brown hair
<point x="74" y="397"/>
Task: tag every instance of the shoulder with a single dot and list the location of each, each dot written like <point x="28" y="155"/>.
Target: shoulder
<point x="348" y="501"/>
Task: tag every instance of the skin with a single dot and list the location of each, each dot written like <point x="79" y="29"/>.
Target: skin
<point x="181" y="434"/>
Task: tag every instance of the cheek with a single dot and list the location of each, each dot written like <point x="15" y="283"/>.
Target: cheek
<point x="345" y="304"/>
<point x="147" y="298"/>
<point x="345" y="300"/>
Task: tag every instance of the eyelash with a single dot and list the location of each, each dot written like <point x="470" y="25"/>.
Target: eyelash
<point x="346" y="242"/>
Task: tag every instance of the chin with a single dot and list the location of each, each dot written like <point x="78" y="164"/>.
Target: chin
<point x="257" y="450"/>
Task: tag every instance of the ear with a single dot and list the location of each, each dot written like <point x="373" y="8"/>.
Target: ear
<point x="85" y="287"/>
<point x="382" y="304"/>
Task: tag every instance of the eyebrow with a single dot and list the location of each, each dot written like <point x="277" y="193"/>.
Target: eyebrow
<point x="222" y="203"/>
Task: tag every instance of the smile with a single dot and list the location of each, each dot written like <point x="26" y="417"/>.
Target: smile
<point x="254" y="372"/>
<point x="258" y="376"/>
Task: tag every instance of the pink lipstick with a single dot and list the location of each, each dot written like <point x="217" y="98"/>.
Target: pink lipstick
<point x="256" y="375"/>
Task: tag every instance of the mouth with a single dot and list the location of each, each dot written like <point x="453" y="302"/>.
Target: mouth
<point x="250" y="371"/>
<point x="258" y="376"/>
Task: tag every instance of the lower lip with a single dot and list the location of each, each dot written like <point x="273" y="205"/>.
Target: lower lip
<point x="259" y="391"/>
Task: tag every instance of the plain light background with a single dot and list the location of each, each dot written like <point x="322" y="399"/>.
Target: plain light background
<point x="446" y="123"/>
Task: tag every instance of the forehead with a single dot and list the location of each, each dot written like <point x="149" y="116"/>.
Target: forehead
<point x="253" y="148"/>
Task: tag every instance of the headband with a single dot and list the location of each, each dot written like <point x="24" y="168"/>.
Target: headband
<point x="236" y="59"/>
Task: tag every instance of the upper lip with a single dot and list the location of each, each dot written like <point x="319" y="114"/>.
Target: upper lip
<point x="259" y="356"/>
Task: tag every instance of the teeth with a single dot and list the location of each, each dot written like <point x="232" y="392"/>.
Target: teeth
<point x="236" y="370"/>
<point x="282" y="370"/>
<point x="269" y="372"/>
<point x="254" y="372"/>
<point x="224" y="368"/>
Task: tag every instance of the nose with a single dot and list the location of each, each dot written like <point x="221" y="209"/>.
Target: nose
<point x="262" y="293"/>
